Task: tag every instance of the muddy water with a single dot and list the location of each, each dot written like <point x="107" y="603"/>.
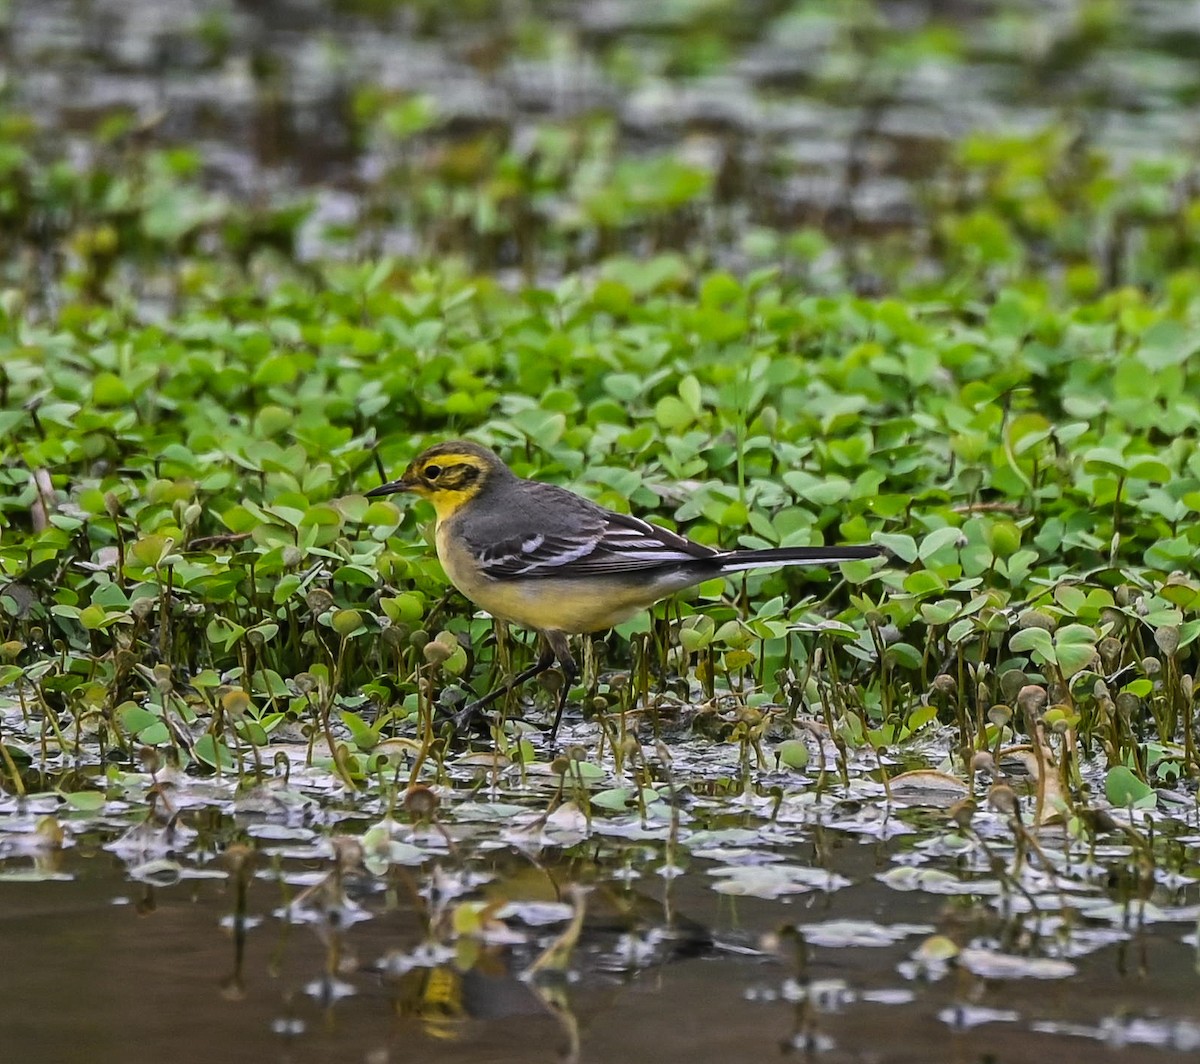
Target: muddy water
<point x="116" y="958"/>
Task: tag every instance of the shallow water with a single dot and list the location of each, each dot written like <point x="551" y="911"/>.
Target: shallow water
<point x="725" y="930"/>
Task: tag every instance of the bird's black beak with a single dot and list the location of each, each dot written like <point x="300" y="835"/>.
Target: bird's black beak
<point x="390" y="488"/>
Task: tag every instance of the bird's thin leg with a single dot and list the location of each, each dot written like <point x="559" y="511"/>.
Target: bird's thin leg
<point x="472" y="709"/>
<point x="560" y="646"/>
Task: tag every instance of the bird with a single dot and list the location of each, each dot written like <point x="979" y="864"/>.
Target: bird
<point x="542" y="557"/>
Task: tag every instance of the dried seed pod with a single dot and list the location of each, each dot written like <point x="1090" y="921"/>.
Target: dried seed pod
<point x="304" y="682"/>
<point x="1110" y="651"/>
<point x="162" y="677"/>
<point x="1128" y="705"/>
<point x="318" y="600"/>
<point x="962" y="811"/>
<point x="944" y="685"/>
<point x="1002" y="798"/>
<point x="1011" y="681"/>
<point x="1032" y="699"/>
<point x="421" y="802"/>
<point x="1036" y="619"/>
<point x="982" y="761"/>
<point x="1114" y="618"/>
<point x="999" y="715"/>
<point x="436" y="652"/>
<point x="1167" y="639"/>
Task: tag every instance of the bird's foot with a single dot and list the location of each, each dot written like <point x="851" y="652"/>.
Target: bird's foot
<point x="472" y="718"/>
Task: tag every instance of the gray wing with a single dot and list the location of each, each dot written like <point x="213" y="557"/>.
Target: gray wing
<point x="564" y="530"/>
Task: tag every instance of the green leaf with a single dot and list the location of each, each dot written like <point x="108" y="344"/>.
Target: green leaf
<point x="1124" y="789"/>
<point x="85" y="801"/>
<point x="214" y="754"/>
<point x="1034" y="639"/>
<point x="793" y="753"/>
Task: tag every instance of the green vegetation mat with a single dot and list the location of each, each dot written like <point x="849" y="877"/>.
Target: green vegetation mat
<point x="196" y="388"/>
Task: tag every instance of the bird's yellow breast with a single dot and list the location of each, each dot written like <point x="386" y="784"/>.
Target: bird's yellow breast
<point x="581" y="604"/>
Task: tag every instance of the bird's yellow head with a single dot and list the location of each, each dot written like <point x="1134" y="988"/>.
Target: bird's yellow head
<point x="448" y="475"/>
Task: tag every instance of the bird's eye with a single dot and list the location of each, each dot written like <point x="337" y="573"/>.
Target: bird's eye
<point x="432" y="472"/>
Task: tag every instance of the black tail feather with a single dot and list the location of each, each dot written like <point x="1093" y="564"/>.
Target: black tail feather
<point x="750" y="559"/>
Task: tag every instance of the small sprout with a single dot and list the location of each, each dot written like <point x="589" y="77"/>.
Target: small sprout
<point x="11" y="650"/>
<point x="1002" y="798"/>
<point x="937" y="949"/>
<point x="576" y="752"/>
<point x="346" y="622"/>
<point x="599" y="705"/>
<point x="419" y="639"/>
<point x="560" y="766"/>
<point x="49" y="832"/>
<point x="112" y="505"/>
<point x="1031" y="700"/>
<point x="630" y="747"/>
<point x="1151" y="666"/>
<point x="395" y="636"/>
<point x="151" y="759"/>
<point x="236" y="702"/>
<point x="291" y="556"/>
